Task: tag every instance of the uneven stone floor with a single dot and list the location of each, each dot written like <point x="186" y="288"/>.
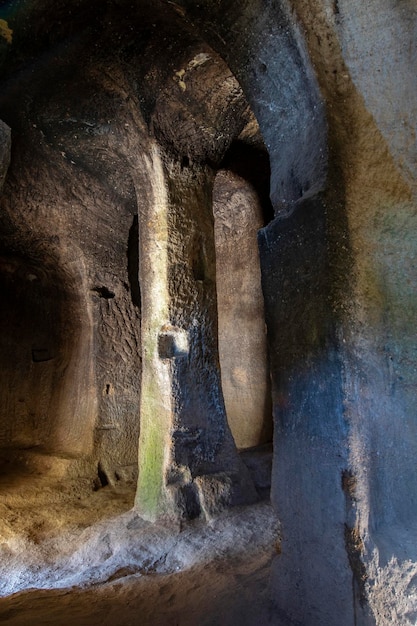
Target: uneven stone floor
<point x="70" y="555"/>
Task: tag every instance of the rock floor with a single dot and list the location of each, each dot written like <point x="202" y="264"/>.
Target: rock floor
<point x="71" y="556"/>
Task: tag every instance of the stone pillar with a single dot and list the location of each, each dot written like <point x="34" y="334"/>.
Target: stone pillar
<point x="188" y="461"/>
<point x="242" y="332"/>
<point x="311" y="436"/>
<point x="156" y="400"/>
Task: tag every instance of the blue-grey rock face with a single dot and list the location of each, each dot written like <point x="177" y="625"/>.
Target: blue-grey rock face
<point x="311" y="435"/>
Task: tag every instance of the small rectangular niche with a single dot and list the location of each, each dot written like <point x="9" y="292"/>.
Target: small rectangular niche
<point x="41" y="355"/>
<point x="172" y="342"/>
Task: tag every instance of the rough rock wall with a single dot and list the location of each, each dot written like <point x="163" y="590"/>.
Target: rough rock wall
<point x="382" y="67"/>
<point x="300" y="269"/>
<point x="363" y="57"/>
<point x="303" y="269"/>
<point x="188" y="463"/>
<point x="69" y="210"/>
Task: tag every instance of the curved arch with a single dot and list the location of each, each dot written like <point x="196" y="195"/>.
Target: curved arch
<point x="46" y="364"/>
<point x="266" y="52"/>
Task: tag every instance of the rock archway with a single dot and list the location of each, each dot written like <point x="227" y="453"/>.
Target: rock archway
<point x="46" y="337"/>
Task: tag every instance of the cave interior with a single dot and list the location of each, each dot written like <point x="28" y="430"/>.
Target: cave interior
<point x="207" y="312"/>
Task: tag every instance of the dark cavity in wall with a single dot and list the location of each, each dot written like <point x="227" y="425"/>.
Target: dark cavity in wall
<point x="354" y="549"/>
<point x="37" y="334"/>
<point x="102" y="478"/>
<point x="41" y="355"/>
<point x="104" y="292"/>
<point x="133" y="262"/>
<point x="199" y="262"/>
<point x="251" y="163"/>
